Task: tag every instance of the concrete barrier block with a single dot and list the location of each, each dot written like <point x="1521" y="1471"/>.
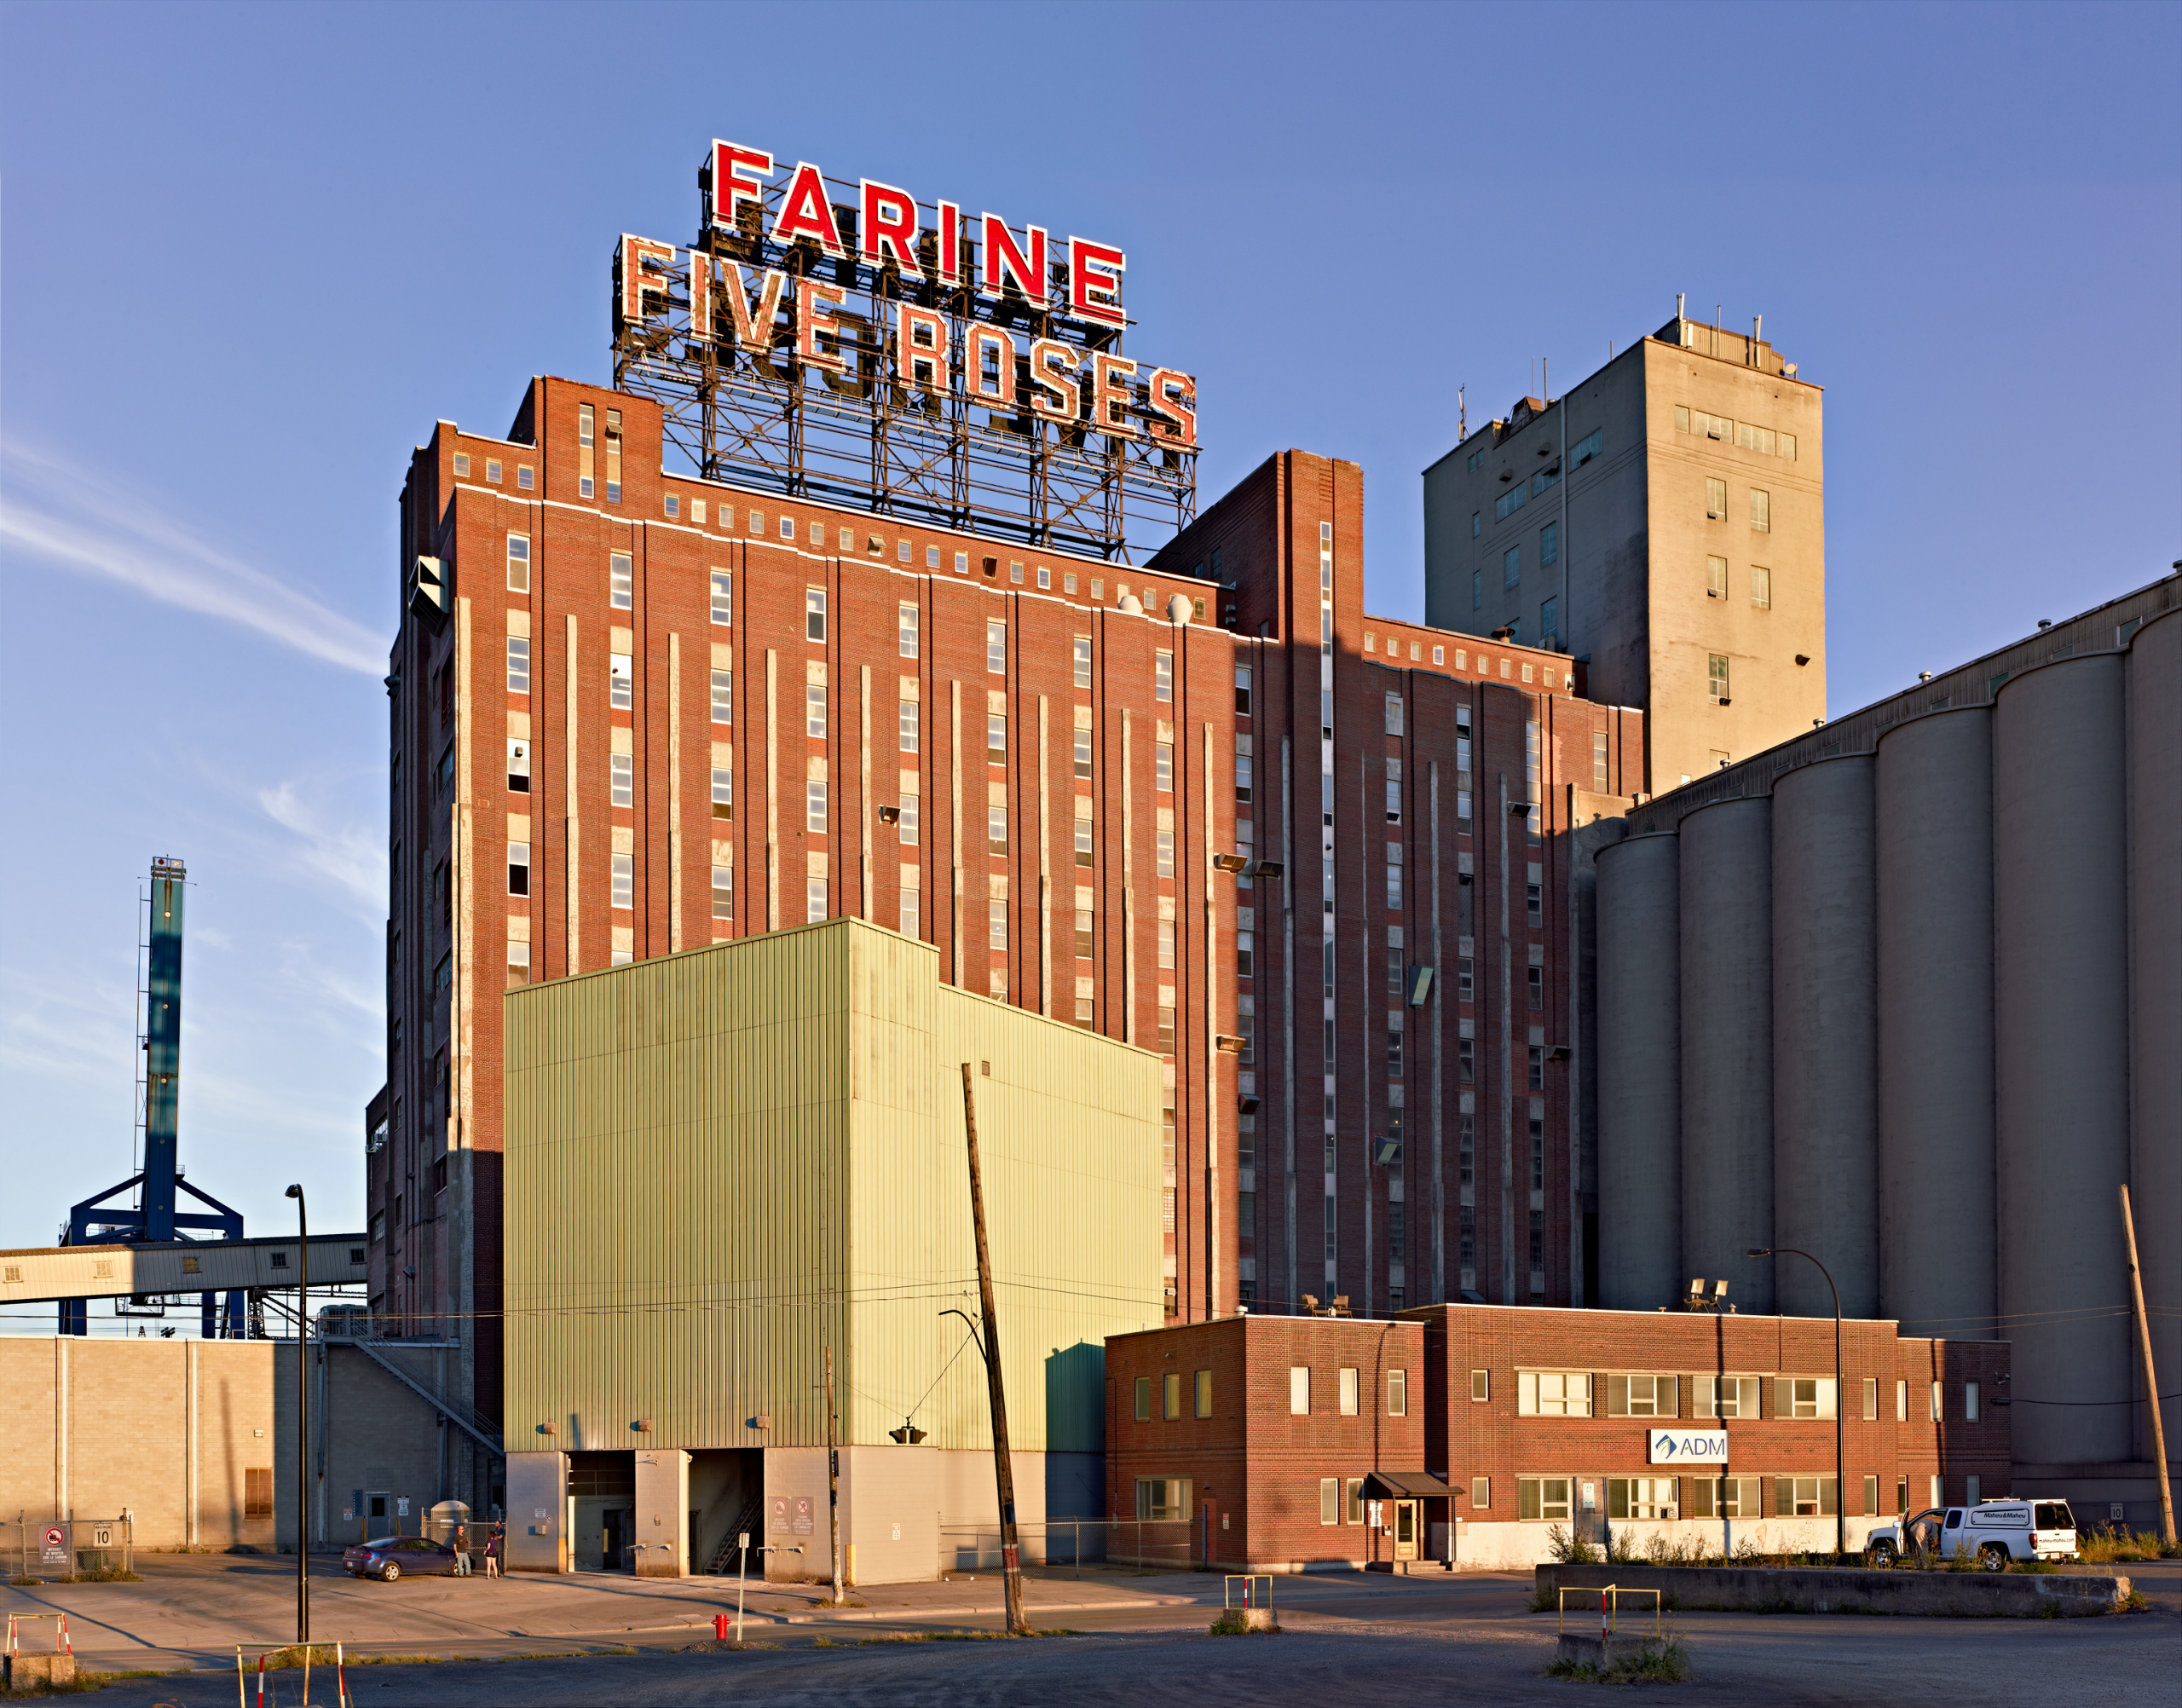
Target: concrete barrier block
<point x="29" y="1673"/>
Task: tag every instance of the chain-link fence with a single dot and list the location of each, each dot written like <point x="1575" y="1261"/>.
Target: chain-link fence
<point x="1072" y="1543"/>
<point x="76" y="1546"/>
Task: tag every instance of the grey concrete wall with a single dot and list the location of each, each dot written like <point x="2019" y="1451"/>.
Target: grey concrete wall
<point x="1726" y="930"/>
<point x="1934" y="790"/>
<point x="2061" y="1036"/>
<point x="1916" y="1595"/>
<point x="1824" y="1037"/>
<point x="2156" y="996"/>
<point x="1640" y="1074"/>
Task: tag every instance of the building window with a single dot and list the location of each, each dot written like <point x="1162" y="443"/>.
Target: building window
<point x="723" y="793"/>
<point x="1598" y="762"/>
<point x="1243" y="769"/>
<point x="1761" y="588"/>
<point x="1969" y="1406"/>
<point x="996" y="648"/>
<point x="1166" y="942"/>
<point x="518" y="768"/>
<point x="1553" y="1393"/>
<point x="723" y="696"/>
<point x="1144" y="1399"/>
<point x="723" y="892"/>
<point x="1085" y="947"/>
<point x="624" y="880"/>
<point x="1394" y="1046"/>
<point x="996" y="738"/>
<point x="1083" y="832"/>
<point x="1348" y="1396"/>
<point x="462" y="465"/>
<point x="585" y="422"/>
<point x="1871" y="1402"/>
<point x="1163" y="850"/>
<point x="911" y="925"/>
<point x="1162" y="675"/>
<point x="1716" y="500"/>
<point x="1642" y="1396"/>
<point x="1354" y="1488"/>
<point x="1535" y="978"/>
<point x="1544" y="1499"/>
<point x="1641" y="1498"/>
<point x="905" y="630"/>
<point x="1397" y="1394"/>
<point x="1083" y="752"/>
<point x="1204" y="1394"/>
<point x="620" y="681"/>
<point x="621" y="580"/>
<point x="1466" y="1061"/>
<point x="613" y="456"/>
<point x="814" y="899"/>
<point x="997" y="830"/>
<point x="814" y="806"/>
<point x="1724" y="1396"/>
<point x="518" y="868"/>
<point x="1725" y="1497"/>
<point x="1480" y="1386"/>
<point x="908" y="809"/>
<point x="723" y="597"/>
<point x="1329" y="1498"/>
<point x="1393" y="877"/>
<point x="1082" y="645"/>
<point x="1511" y="567"/>
<point x="1549" y="546"/>
<point x="518" y="563"/>
<point x="1162" y="767"/>
<point x="1166" y="1030"/>
<point x="518" y="664"/>
<point x="1480" y="1494"/>
<point x="1716" y="674"/>
<point x="1715" y="578"/>
<point x="813" y="710"/>
<point x="996" y="925"/>
<point x="1761" y="510"/>
<point x="1394" y="714"/>
<point x="621" y="786"/>
<point x="1587" y="447"/>
<point x="674" y="508"/>
<point x="814" y="613"/>
<point x="906" y="723"/>
<point x="1242" y="690"/>
<point x="518" y="963"/>
<point x="1510" y="501"/>
<point x="1548" y="625"/>
<point x="1805" y="1496"/>
<point x="1170" y="1395"/>
<point x="1804" y="1396"/>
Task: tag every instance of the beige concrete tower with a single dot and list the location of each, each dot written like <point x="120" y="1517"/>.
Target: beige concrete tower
<point x="1665" y="518"/>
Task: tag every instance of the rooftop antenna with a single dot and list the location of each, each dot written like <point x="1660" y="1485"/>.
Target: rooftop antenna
<point x="1462" y="414"/>
<point x="1680" y="297"/>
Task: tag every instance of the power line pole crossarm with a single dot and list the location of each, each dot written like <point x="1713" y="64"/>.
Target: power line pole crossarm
<point x="1011" y="1554"/>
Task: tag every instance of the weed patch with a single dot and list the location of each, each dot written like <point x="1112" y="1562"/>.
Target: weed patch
<point x="1655" y="1663"/>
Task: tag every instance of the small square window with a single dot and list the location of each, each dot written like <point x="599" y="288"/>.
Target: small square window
<point x="814" y="613"/>
<point x="621" y="580"/>
<point x="462" y="465"/>
<point x="492" y="470"/>
<point x="525" y="477"/>
<point x="814" y="899"/>
<point x="674" y="507"/>
<point x="788" y="527"/>
<point x="723" y="597"/>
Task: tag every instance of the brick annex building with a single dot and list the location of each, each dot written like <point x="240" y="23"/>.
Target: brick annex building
<point x="632" y="713"/>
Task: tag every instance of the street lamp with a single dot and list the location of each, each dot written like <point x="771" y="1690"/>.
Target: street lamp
<point x="1840" y="1397"/>
<point x="302" y="1422"/>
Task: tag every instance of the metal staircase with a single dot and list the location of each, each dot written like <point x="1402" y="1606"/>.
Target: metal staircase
<point x="723" y="1562"/>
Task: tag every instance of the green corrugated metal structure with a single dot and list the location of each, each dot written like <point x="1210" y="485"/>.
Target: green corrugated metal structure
<point x="720" y="1161"/>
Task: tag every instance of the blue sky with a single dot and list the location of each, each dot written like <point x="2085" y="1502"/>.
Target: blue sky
<point x="249" y="255"/>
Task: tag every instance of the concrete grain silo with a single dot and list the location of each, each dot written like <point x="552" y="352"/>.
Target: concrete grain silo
<point x="1824" y="1037"/>
<point x="1640" y="1073"/>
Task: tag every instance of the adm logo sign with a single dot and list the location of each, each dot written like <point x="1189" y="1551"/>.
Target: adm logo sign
<point x="1688" y="1447"/>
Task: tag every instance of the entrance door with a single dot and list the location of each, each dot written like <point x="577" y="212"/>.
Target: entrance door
<point x="1405" y="1529"/>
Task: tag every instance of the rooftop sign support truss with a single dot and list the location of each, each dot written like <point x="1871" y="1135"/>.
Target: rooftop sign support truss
<point x="779" y="361"/>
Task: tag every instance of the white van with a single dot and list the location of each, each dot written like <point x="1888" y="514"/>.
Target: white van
<point x="1994" y="1532"/>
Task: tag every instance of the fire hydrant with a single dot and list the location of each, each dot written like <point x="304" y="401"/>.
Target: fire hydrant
<point x="721" y="1625"/>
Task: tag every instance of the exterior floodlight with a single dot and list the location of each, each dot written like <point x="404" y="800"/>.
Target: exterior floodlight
<point x="1519" y="809"/>
<point x="890" y="815"/>
<point x="1227" y="1043"/>
<point x="1246" y="1105"/>
<point x="907" y="1436"/>
<point x="1697" y="1286"/>
<point x="1559" y="1052"/>
<point x="1254" y="869"/>
<point x="1420" y="985"/>
<point x="1389" y="1153"/>
<point x="1719" y="1289"/>
<point x="1759" y="1251"/>
<point x="1229" y="863"/>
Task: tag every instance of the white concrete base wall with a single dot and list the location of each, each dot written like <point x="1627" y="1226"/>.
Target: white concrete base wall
<point x="1508" y="1547"/>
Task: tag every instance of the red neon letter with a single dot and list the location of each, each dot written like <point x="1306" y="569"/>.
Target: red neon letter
<point x="1094" y="285"/>
<point x="951" y="243"/>
<point x="701" y="294"/>
<point x="889" y="226"/>
<point x="1026" y="266"/>
<point x="805" y="212"/>
<point x="635" y="251"/>
<point x="1174" y="401"/>
<point x="732" y="185"/>
<point x="1054" y="395"/>
<point x="754" y="329"/>
<point x="920" y="364"/>
<point x="1111" y="391"/>
<point x="814" y="313"/>
<point x="980" y="340"/>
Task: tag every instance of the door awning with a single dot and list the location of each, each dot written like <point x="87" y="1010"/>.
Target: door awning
<point x="1406" y="1485"/>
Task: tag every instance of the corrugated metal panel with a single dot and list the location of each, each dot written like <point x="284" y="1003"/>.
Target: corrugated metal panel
<point x="719" y="1162"/>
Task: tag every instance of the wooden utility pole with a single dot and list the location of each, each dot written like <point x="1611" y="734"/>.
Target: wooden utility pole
<point x="1011" y="1554"/>
<point x="832" y="1479"/>
<point x="2151" y="1378"/>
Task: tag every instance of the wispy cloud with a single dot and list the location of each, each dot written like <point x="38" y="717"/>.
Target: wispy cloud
<point x="351" y="855"/>
<point x="75" y="520"/>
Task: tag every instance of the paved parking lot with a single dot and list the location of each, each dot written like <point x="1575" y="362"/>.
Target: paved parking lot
<point x="1470" y="1638"/>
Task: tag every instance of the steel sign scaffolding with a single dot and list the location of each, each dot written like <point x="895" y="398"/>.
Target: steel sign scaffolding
<point x="853" y="428"/>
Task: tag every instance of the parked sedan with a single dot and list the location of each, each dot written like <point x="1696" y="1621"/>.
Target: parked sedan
<point x="391" y="1557"/>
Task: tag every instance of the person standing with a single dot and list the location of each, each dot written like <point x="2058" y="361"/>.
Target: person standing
<point x="462" y="1551"/>
<point x="493" y="1552"/>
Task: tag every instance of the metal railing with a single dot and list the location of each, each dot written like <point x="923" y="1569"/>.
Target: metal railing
<point x="1610" y="1596"/>
<point x="76" y="1546"/>
<point x="1148" y="1545"/>
<point x="1253" y="1596"/>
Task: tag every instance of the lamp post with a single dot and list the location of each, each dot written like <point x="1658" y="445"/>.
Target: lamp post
<point x="1840" y="1398"/>
<point x="302" y="1422"/>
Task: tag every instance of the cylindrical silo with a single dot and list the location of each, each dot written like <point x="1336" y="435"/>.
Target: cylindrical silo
<point x="1825" y="1038"/>
<point x="2155" y="1004"/>
<point x="1937" y="1233"/>
<point x="1727" y="1047"/>
<point x="2061" y="1046"/>
<point x="1640" y="1074"/>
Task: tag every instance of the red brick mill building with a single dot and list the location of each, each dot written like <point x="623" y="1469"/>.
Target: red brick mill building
<point x="633" y="712"/>
<point x="1295" y="1443"/>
